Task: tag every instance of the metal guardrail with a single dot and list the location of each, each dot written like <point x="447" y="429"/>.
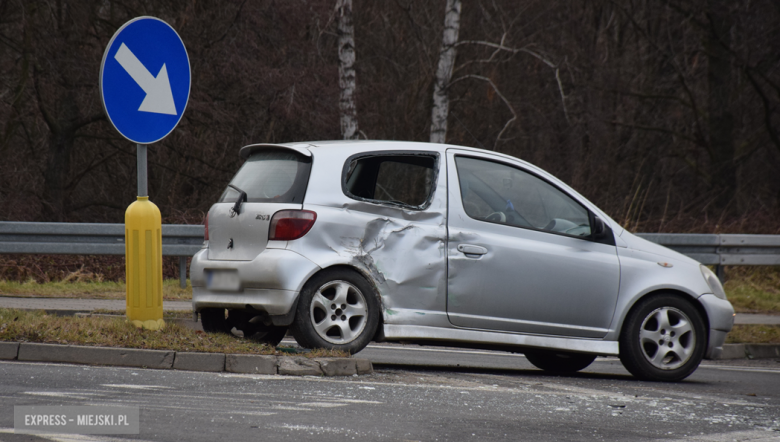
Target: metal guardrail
<point x="185" y="240"/>
<point x="722" y="249"/>
<point x="94" y="239"/>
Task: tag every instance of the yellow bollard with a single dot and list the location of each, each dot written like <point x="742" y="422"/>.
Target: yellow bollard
<point x="143" y="264"/>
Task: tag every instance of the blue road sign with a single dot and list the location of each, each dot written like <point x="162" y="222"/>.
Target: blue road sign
<point x="145" y="80"/>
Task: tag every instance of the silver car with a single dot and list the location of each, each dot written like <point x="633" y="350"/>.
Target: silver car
<point x="346" y="242"/>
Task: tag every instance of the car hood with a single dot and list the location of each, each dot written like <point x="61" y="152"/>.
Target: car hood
<point x="636" y="243"/>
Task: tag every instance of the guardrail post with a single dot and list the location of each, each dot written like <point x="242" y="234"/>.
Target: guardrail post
<point x="720" y="273"/>
<point x="183" y="272"/>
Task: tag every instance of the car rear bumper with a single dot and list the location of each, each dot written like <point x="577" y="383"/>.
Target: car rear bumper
<point x="721" y="318"/>
<point x="270" y="282"/>
<point x="273" y="302"/>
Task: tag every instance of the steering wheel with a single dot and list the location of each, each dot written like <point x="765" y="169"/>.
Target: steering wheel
<point x="569" y="231"/>
<point x="496" y="217"/>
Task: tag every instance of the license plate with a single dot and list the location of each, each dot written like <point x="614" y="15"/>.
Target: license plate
<point x="223" y="280"/>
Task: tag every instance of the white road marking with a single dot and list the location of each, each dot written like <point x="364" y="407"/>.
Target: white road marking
<point x="73" y="437"/>
<point x="742" y="436"/>
<point x="315" y="429"/>
<point x="745" y="369"/>
<point x="438" y="350"/>
<point x="358" y="401"/>
<point x="322" y="404"/>
<point x="71" y="395"/>
<point x="137" y="387"/>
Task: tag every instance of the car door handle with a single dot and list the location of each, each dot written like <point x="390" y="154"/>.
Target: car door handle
<point x="468" y="249"/>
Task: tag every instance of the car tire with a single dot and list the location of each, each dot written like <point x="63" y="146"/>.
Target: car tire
<point x="559" y="362"/>
<point x="271" y="336"/>
<point x="214" y="320"/>
<point x="338" y="309"/>
<point x="663" y="339"/>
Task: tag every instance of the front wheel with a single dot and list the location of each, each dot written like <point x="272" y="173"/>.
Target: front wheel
<point x="244" y="321"/>
<point x="559" y="362"/>
<point x="214" y="320"/>
<point x="663" y="339"/>
<point x="338" y="309"/>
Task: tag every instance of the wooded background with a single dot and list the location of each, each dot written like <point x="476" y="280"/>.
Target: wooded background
<point x="666" y="114"/>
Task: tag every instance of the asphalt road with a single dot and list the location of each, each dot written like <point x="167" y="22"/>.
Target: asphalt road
<point x="452" y="395"/>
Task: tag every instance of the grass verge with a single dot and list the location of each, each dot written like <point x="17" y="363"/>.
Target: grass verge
<point x="37" y="326"/>
<point x="754" y="289"/>
<point x="754" y="334"/>
<point x="167" y="314"/>
<point x="86" y="289"/>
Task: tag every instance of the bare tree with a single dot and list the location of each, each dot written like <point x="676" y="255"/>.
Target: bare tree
<point x="58" y="81"/>
<point x="665" y="114"/>
<point x="346" y="43"/>
<point x="496" y="48"/>
<point x="441" y="99"/>
<point x="721" y="120"/>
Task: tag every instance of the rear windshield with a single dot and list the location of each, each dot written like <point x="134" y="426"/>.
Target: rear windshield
<point x="271" y="176"/>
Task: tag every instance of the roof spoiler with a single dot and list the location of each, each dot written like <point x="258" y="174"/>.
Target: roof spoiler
<point x="252" y="148"/>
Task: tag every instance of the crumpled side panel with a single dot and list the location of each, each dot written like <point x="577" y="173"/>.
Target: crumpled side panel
<point x="402" y="251"/>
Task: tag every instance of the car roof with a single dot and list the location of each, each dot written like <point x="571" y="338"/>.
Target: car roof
<point x="307" y="148"/>
<point x="346" y="148"/>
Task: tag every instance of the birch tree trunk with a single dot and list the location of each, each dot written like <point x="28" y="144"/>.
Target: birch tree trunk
<point x="441" y="99"/>
<point x="346" y="42"/>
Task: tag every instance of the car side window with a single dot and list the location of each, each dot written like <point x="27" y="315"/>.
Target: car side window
<point x="397" y="179"/>
<point x="502" y="194"/>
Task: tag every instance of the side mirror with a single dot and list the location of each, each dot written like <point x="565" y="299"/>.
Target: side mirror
<point x="599" y="229"/>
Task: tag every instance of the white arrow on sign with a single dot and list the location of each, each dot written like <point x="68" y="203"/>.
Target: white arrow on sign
<point x="159" y="97"/>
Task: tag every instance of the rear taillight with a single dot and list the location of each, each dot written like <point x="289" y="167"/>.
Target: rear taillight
<point x="206" y="231"/>
<point x="287" y="225"/>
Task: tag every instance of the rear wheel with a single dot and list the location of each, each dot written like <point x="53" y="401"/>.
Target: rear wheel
<point x="559" y="362"/>
<point x="663" y="339"/>
<point x="338" y="309"/>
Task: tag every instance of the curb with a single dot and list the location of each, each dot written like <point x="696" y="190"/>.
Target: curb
<point x="168" y="359"/>
<point x="750" y="351"/>
<point x="76" y="354"/>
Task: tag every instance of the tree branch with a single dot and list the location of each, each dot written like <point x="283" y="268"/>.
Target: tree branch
<point x="50" y="122"/>
<point x="654" y="129"/>
<point x="75" y="181"/>
<point x="78" y="124"/>
<point x="677" y="70"/>
<point x="500" y="95"/>
<point x="501" y="47"/>
<point x="768" y="110"/>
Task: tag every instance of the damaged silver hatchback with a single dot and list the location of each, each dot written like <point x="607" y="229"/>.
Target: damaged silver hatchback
<point x="343" y="243"/>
